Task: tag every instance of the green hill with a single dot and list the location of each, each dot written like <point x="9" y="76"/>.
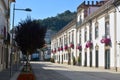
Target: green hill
<point x="58" y="22"/>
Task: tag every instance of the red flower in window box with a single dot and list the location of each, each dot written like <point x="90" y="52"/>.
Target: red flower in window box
<point x="102" y="40"/>
<point x="55" y="50"/>
<point x="79" y="47"/>
<point x="52" y="50"/>
<point x="58" y="48"/>
<point x="72" y="45"/>
<point x="89" y="44"/>
<point x="105" y="40"/>
<point x="66" y="47"/>
<point x="61" y="48"/>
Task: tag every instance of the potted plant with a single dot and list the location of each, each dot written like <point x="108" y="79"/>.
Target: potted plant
<point x="74" y="61"/>
<point x="79" y="61"/>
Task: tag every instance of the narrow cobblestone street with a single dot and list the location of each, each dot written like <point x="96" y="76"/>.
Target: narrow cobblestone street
<point x="54" y="71"/>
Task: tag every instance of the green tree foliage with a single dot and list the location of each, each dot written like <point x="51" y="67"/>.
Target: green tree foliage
<point x="29" y="35"/>
<point x="58" y="22"/>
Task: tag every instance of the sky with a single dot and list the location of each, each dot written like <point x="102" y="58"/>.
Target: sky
<point x="42" y="9"/>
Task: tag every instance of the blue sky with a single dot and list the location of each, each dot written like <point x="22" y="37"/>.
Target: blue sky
<point x="43" y="8"/>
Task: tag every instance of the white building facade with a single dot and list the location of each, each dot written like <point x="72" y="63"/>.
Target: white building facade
<point x="92" y="38"/>
<point x="5" y="33"/>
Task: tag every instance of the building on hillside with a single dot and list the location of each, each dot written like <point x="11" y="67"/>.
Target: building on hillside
<point x="92" y="38"/>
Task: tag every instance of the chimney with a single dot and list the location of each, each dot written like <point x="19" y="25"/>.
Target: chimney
<point x="88" y="3"/>
<point x="97" y="3"/>
<point x="92" y="3"/>
<point x="84" y="3"/>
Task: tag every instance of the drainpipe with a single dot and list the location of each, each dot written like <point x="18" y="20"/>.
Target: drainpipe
<point x="115" y="42"/>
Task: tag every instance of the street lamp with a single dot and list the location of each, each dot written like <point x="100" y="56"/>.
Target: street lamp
<point x="28" y="10"/>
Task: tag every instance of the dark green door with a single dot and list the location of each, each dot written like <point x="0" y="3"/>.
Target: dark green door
<point x="96" y="58"/>
<point x="107" y="59"/>
<point x="85" y="59"/>
<point x="80" y="58"/>
<point x="90" y="58"/>
<point x="62" y="59"/>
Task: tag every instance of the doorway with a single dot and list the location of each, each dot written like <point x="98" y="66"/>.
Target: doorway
<point x="96" y="58"/>
<point x="107" y="59"/>
<point x="85" y="63"/>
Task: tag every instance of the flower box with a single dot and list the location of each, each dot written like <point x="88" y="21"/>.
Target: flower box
<point x="72" y="45"/>
<point x="58" y="48"/>
<point x="61" y="48"/>
<point x="52" y="51"/>
<point x="79" y="47"/>
<point x="105" y="41"/>
<point x="55" y="50"/>
<point x="89" y="44"/>
<point x="65" y="47"/>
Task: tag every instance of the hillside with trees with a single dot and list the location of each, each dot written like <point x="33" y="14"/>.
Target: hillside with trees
<point x="58" y="22"/>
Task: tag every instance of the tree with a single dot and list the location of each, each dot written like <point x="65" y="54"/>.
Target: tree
<point x="29" y="35"/>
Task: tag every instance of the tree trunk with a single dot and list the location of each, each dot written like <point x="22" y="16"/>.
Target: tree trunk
<point x="43" y="55"/>
<point x="27" y="62"/>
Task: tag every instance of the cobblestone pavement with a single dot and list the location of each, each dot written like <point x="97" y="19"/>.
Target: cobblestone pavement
<point x="54" y="71"/>
<point x="46" y="74"/>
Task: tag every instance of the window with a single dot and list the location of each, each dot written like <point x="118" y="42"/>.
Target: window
<point x="85" y="13"/>
<point x="85" y="35"/>
<point x="73" y="36"/>
<point x="65" y="39"/>
<point x="107" y="30"/>
<point x="80" y="37"/>
<point x="107" y="26"/>
<point x="61" y="41"/>
<point x="90" y="32"/>
<point x="69" y="37"/>
<point x="80" y="20"/>
<point x="96" y="30"/>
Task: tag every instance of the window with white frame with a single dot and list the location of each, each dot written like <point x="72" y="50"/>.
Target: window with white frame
<point x="61" y="41"/>
<point x="85" y="35"/>
<point x="90" y="32"/>
<point x="96" y="30"/>
<point x="80" y="36"/>
<point x="65" y="39"/>
<point x="107" y="26"/>
<point x="69" y="37"/>
<point x="72" y="36"/>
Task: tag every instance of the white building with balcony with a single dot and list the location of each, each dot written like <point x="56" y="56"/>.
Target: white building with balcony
<point x="92" y="38"/>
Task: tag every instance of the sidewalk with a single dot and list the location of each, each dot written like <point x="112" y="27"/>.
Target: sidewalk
<point x="81" y="68"/>
<point x="5" y="74"/>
